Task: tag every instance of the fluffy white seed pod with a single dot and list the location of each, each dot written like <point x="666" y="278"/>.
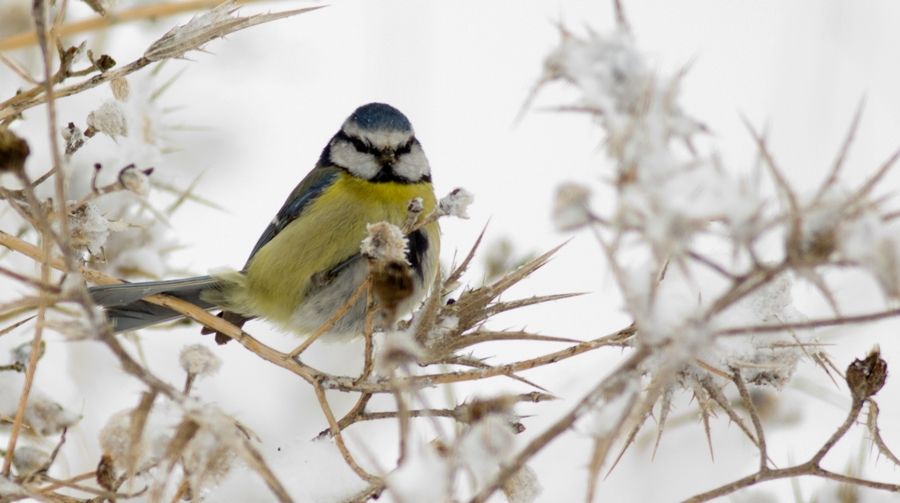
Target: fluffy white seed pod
<point x="198" y="360"/>
<point x="27" y="459"/>
<point x="399" y="348"/>
<point x="456" y="203"/>
<point x="571" y="208"/>
<point x="47" y="417"/>
<point x="109" y="119"/>
<point x="135" y="180"/>
<point x="120" y="89"/>
<point x="384" y="242"/>
<point x="89" y="229"/>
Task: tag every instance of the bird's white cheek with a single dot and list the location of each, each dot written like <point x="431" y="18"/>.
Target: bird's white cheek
<point x="358" y="163"/>
<point x="413" y="166"/>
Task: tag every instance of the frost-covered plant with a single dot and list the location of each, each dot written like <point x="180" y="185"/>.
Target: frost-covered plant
<point x="718" y="329"/>
<point x="702" y="323"/>
<point x="90" y="215"/>
<point x="97" y="218"/>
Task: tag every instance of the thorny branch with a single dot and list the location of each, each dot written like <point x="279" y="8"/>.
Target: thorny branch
<point x="14" y="106"/>
<point x="865" y="378"/>
<point x="669" y="355"/>
<point x="68" y="262"/>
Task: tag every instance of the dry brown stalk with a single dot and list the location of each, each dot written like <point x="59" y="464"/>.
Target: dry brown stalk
<point x="32" y="366"/>
<point x="811" y="324"/>
<point x="339" y="438"/>
<point x="875" y="431"/>
<point x="308" y="373"/>
<point x="138" y="13"/>
<point x="754" y="417"/>
<point x="353" y="415"/>
<point x="865" y="378"/>
<point x="622" y="372"/>
<point x="72" y="480"/>
<point x="14" y="106"/>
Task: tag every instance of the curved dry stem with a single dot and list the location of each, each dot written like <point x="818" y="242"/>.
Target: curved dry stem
<point x="339" y="438"/>
<point x="30" y="370"/>
<point x="811" y="467"/>
<point x="138" y="13"/>
<point x="560" y="426"/>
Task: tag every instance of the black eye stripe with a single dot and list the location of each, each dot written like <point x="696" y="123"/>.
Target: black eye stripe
<point x="358" y="144"/>
<point x="362" y="146"/>
<point x="406" y="147"/>
<point x="365" y="148"/>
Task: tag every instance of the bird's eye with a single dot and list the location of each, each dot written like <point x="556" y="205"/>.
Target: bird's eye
<point x="405" y="148"/>
<point x="360" y="145"/>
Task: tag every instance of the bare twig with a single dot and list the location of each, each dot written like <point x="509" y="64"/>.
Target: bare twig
<point x="754" y="417"/>
<point x="866" y="379"/>
<point x="811" y="324"/>
<point x="339" y="439"/>
<point x="875" y="432"/>
<point x="562" y="425"/>
<point x="31" y="369"/>
<point x="839" y="161"/>
<point x="141" y="12"/>
<point x="16" y="105"/>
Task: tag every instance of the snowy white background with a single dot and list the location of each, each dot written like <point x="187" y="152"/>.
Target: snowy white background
<point x="269" y="99"/>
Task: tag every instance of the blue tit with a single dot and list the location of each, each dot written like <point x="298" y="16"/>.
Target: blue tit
<point x="307" y="262"/>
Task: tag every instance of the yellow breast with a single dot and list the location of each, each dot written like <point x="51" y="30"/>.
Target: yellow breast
<point x="328" y="231"/>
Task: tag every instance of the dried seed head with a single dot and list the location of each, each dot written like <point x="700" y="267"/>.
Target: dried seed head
<point x="78" y="52"/>
<point x="413" y="211"/>
<point x="104" y="62"/>
<point x="523" y="487"/>
<point x="478" y="409"/>
<point x="73" y="137"/>
<point x="866" y="377"/>
<point x="47" y="417"/>
<point x="416" y="205"/>
<point x="28" y="460"/>
<point x="384" y="243"/>
<point x="106" y="473"/>
<point x="120" y="88"/>
<point x="197" y="360"/>
<point x="109" y="119"/>
<point x="209" y="449"/>
<point x="392" y="283"/>
<point x="456" y="203"/>
<point x="13" y="152"/>
<point x="136" y="180"/>
<point x="22" y="352"/>
<point x="116" y="439"/>
<point x="89" y="229"/>
<point x="813" y="245"/>
<point x="400" y="348"/>
<point x="571" y="208"/>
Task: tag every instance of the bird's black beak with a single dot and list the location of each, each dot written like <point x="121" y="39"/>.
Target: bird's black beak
<point x="387" y="157"/>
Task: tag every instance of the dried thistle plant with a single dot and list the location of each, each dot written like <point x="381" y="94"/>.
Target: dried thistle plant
<point x="75" y="225"/>
<point x="709" y="328"/>
<point x="718" y="331"/>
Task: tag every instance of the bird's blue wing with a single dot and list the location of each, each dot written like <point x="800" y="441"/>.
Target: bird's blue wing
<point x="305" y="193"/>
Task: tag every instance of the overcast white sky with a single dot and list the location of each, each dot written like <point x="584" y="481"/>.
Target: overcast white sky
<point x="271" y="97"/>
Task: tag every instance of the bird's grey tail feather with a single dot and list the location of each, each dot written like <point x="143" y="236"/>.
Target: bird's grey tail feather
<point x="126" y="310"/>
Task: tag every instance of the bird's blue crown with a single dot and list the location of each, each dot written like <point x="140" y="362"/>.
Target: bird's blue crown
<point x="380" y="116"/>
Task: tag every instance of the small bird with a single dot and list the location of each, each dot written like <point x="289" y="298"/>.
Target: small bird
<point x="307" y="263"/>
